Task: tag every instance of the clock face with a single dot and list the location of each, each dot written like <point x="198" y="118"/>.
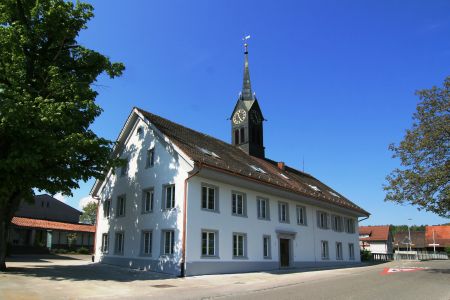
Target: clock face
<point x="239" y="116"/>
<point x="255" y="117"/>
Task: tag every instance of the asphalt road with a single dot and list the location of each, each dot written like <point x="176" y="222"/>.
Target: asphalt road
<point x="77" y="278"/>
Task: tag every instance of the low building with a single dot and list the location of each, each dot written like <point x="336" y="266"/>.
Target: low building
<point x="437" y="237"/>
<point x="376" y="239"/>
<point x="48" y="224"/>
<point x="401" y="241"/>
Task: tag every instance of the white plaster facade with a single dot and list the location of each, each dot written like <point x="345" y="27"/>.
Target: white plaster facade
<point x="172" y="166"/>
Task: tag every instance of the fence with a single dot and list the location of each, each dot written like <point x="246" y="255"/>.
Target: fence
<point x="415" y="255"/>
<point x="382" y="257"/>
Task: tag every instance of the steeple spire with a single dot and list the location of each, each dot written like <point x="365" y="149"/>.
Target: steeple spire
<point x="246" y="86"/>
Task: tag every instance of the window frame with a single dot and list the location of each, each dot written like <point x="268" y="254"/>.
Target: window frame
<point x="266" y="206"/>
<point x="164" y="195"/>
<point x="351" y="251"/>
<point x="121" y="213"/>
<point x="348" y="228"/>
<point x="119" y="250"/>
<point x="124" y="168"/>
<point x="144" y="209"/>
<point x="303" y="214"/>
<point x="107" y="209"/>
<point x="143" y="244"/>
<point x="150" y="159"/>
<point x="216" y="243"/>
<point x="235" y="254"/>
<point x="340" y="223"/>
<point x="267" y="247"/>
<point x="321" y="213"/>
<point x="104" y="247"/>
<point x="209" y="187"/>
<point x="325" y="255"/>
<point x="244" y="204"/>
<point x="280" y="205"/>
<point x="171" y="243"/>
<point x="339" y="251"/>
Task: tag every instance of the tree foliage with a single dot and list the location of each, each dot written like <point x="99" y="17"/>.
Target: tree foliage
<point x="47" y="102"/>
<point x="89" y="215"/>
<point x="423" y="179"/>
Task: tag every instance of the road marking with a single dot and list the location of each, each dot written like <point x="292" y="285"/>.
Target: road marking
<point x="388" y="271"/>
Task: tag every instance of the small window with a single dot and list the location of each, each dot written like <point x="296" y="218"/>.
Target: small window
<point x="169" y="196"/>
<point x="349" y="225"/>
<point x="209" y="243"/>
<point x="106" y="208"/>
<point x="242" y="135"/>
<point x="121" y="204"/>
<point x="263" y="208"/>
<point x="257" y="169"/>
<point x="322" y="220"/>
<point x="169" y="242"/>
<point x="209" y="196"/>
<point x="301" y="215"/>
<point x="147" y="238"/>
<point x="324" y="249"/>
<point x="284" y="176"/>
<point x="238" y="205"/>
<point x="236" y="136"/>
<point x="207" y="152"/>
<point x="339" y="251"/>
<point x="147" y="201"/>
<point x="140" y="132"/>
<point x="266" y="247"/>
<point x="283" y="212"/>
<point x="119" y="243"/>
<point x="315" y="188"/>
<point x="351" y="251"/>
<point x="150" y="162"/>
<point x="105" y="242"/>
<point x="239" y="240"/>
<point x="336" y="223"/>
<point x="124" y="168"/>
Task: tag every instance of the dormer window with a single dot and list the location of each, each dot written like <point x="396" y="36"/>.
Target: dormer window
<point x="334" y="194"/>
<point x="257" y="169"/>
<point x="207" y="152"/>
<point x="315" y="188"/>
<point x="284" y="176"/>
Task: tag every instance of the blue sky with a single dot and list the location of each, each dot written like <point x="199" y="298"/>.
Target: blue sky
<point x="335" y="79"/>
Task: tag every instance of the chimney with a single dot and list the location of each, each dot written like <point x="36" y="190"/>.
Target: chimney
<point x="281" y="165"/>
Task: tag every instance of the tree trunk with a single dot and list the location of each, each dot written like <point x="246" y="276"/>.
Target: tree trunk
<point x="3" y="230"/>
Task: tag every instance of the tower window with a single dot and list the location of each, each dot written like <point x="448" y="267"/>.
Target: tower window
<point x="236" y="136"/>
<point x="242" y="135"/>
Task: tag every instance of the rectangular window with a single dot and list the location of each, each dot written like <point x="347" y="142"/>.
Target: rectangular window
<point x="263" y="208"/>
<point x="169" y="242"/>
<point x="301" y="215"/>
<point x="121" y="203"/>
<point x="208" y="243"/>
<point x="351" y="251"/>
<point x="119" y="243"/>
<point x="124" y="168"/>
<point x="105" y="241"/>
<point x="283" y="212"/>
<point x="150" y="162"/>
<point x="209" y="196"/>
<point x="238" y="245"/>
<point x="147" y="242"/>
<point x="322" y="220"/>
<point x="238" y="204"/>
<point x="324" y="249"/>
<point x="169" y="196"/>
<point x="336" y="223"/>
<point x="147" y="200"/>
<point x="338" y="250"/>
<point x="266" y="246"/>
<point x="349" y="225"/>
<point x="106" y="208"/>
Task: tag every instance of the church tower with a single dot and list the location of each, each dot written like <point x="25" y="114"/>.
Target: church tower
<point x="247" y="119"/>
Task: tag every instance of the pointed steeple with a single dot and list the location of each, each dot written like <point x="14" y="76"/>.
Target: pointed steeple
<point x="246" y="93"/>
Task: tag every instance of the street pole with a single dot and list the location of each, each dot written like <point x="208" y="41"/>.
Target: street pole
<point x="409" y="239"/>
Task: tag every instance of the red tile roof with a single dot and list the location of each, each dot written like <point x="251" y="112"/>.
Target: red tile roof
<point x="234" y="160"/>
<point x="441" y="235"/>
<point x="44" y="224"/>
<point x="375" y="233"/>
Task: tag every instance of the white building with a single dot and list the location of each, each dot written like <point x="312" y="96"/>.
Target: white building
<point x="187" y="203"/>
<point x="376" y="239"/>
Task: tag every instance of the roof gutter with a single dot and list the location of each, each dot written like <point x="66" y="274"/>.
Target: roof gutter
<point x="363" y="219"/>
<point x="183" y="241"/>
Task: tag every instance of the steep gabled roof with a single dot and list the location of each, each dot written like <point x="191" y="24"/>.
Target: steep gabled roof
<point x="375" y="233"/>
<point x="209" y="151"/>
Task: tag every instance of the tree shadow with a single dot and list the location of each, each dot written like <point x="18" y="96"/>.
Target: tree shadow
<point x="43" y="258"/>
<point x="96" y="272"/>
<point x="319" y="268"/>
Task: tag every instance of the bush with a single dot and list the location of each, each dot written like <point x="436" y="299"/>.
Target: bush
<point x="60" y="251"/>
<point x="82" y="250"/>
<point x="366" y="255"/>
<point x="447" y="249"/>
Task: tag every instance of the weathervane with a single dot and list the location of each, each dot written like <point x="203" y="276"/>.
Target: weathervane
<point x="245" y="38"/>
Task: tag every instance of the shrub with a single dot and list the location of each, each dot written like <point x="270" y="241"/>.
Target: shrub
<point x="366" y="255"/>
<point x="82" y="250"/>
<point x="59" y="251"/>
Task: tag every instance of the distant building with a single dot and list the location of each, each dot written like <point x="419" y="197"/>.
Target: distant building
<point x="47" y="223"/>
<point x="376" y="239"/>
<point x="418" y="243"/>
<point x="438" y="235"/>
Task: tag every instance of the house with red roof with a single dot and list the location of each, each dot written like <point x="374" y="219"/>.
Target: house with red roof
<point x="48" y="223"/>
<point x="437" y="237"/>
<point x="376" y="239"/>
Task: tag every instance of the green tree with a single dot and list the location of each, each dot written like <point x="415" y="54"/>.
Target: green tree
<point x="423" y="179"/>
<point x="47" y="103"/>
<point x="89" y="215"/>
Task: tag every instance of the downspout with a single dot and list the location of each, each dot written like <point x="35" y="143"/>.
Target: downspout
<point x="183" y="241"/>
<point x="363" y="219"/>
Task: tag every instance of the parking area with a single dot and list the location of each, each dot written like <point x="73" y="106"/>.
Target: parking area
<point x="75" y="277"/>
